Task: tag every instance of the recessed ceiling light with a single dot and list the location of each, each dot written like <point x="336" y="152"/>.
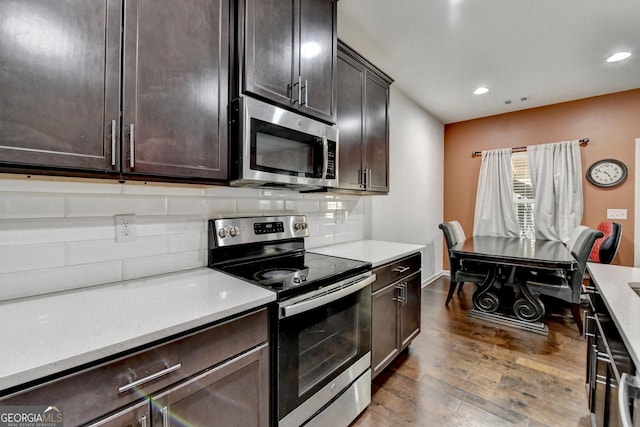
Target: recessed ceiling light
<point x="480" y="91"/>
<point x="618" y="56"/>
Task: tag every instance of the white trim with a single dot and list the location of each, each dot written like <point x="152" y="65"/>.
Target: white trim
<point x="636" y="233"/>
<point x="430" y="280"/>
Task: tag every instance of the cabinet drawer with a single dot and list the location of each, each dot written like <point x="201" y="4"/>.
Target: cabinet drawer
<point x="91" y="393"/>
<point x="396" y="270"/>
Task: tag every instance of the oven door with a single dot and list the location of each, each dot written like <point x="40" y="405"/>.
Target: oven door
<point x="319" y="338"/>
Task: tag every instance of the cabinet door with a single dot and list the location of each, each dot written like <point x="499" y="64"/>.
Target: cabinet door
<point x="134" y="416"/>
<point x="384" y="328"/>
<point x="175" y="88"/>
<point x="270" y="50"/>
<point x="376" y="133"/>
<point x="60" y="83"/>
<point x="235" y="393"/>
<point x="350" y="97"/>
<point x="410" y="310"/>
<point x="318" y="45"/>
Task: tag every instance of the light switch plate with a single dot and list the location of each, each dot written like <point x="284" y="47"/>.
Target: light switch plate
<point x="616" y="214"/>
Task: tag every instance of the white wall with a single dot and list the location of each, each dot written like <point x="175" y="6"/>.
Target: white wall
<point x="412" y="210"/>
<point x="414" y="207"/>
<point x="59" y="234"/>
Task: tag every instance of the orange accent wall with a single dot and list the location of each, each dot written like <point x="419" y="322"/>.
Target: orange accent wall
<point x="611" y="122"/>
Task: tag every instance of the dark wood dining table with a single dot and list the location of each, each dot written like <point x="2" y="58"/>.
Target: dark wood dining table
<point x="503" y="259"/>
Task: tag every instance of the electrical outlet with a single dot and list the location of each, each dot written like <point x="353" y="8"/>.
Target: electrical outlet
<point x="616" y="214"/>
<point x="126" y="228"/>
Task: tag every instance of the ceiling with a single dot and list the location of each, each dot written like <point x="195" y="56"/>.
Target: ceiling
<point x="545" y="51"/>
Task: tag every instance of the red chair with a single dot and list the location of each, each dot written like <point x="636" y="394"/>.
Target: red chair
<point x="606" y="247"/>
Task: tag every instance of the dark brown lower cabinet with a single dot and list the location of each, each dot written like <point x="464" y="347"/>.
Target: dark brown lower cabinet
<point x="215" y="376"/>
<point x="607" y="359"/>
<point x="395" y="306"/>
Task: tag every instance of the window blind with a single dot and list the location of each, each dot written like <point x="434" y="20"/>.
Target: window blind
<point x="523" y="200"/>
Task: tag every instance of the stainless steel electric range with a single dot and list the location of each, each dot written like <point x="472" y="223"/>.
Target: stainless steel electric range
<point x="320" y="324"/>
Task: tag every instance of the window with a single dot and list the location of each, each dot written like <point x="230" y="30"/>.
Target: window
<point x="523" y="195"/>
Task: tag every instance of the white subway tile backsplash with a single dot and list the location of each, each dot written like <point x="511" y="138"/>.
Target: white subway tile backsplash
<point x="30" y="231"/>
<point x="79" y="206"/>
<point x="31" y="205"/>
<point x="35" y="184"/>
<point x="58" y="234"/>
<point x="47" y="280"/>
<point x="257" y="206"/>
<point x="135" y="268"/>
<point x="302" y="206"/>
<point x="105" y="250"/>
<point x="155" y="189"/>
<point x="31" y="257"/>
<point x="188" y="242"/>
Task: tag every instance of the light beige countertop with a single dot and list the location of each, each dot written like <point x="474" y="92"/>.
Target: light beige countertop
<point x="51" y="333"/>
<point x="376" y="252"/>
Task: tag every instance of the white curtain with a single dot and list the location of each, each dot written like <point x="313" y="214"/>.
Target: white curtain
<point x="494" y="215"/>
<point x="556" y="177"/>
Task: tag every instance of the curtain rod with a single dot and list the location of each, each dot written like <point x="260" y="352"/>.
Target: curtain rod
<point x="582" y="142"/>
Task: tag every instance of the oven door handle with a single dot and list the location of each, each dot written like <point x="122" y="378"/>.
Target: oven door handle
<point x="315" y="302"/>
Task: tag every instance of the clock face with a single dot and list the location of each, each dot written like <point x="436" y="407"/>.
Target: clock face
<point x="607" y="173"/>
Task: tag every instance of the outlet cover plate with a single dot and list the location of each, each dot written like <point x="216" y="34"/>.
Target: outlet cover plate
<point x="126" y="228"/>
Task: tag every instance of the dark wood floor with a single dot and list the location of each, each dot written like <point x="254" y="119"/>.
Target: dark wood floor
<point x="462" y="371"/>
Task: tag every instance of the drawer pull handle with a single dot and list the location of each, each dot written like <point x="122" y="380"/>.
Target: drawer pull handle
<point x="165" y="416"/>
<point x="143" y="421"/>
<point x="149" y="378"/>
<point x="400" y="269"/>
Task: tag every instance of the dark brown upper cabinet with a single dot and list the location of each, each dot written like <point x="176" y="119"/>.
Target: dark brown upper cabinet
<point x="59" y="81"/>
<point x="63" y="65"/>
<point x="363" y="122"/>
<point x="288" y="54"/>
<point x="175" y="88"/>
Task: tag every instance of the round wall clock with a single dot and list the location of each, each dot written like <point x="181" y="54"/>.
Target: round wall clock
<point x="607" y="173"/>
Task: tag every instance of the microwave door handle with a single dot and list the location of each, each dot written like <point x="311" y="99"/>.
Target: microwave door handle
<point x="325" y="155"/>
<point x="629" y="388"/>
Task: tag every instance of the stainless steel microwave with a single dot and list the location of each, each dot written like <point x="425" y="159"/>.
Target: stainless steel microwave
<point x="279" y="148"/>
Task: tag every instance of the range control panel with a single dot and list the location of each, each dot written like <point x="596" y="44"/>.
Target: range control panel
<point x="235" y="231"/>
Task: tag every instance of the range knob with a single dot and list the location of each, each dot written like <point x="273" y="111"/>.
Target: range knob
<point x="300" y="225"/>
<point x="234" y="231"/>
<point x="222" y="233"/>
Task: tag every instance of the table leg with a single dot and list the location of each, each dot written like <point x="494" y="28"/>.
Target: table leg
<point x="529" y="308"/>
<point x="483" y="299"/>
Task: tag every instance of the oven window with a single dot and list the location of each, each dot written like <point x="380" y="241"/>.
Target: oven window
<point x="286" y="151"/>
<point x="326" y="345"/>
<point x="316" y="346"/>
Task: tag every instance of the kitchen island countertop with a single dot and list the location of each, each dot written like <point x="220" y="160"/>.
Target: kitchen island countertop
<point x="622" y="302"/>
<point x="48" y="334"/>
<point x="376" y="252"/>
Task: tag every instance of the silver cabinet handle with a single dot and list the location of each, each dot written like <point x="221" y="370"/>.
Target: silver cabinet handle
<point x="151" y="377"/>
<point x="325" y="154"/>
<point x="629" y="389"/>
<point x="143" y="421"/>
<point x="368" y="177"/>
<point x="113" y="142"/>
<point x="400" y="269"/>
<point x="132" y="147"/>
<point x="306" y="93"/>
<point x="165" y="416"/>
<point x="299" y="89"/>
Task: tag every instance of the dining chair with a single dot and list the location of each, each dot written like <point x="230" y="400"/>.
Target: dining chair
<point x="566" y="286"/>
<point x="458" y="274"/>
<point x="605" y="248"/>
